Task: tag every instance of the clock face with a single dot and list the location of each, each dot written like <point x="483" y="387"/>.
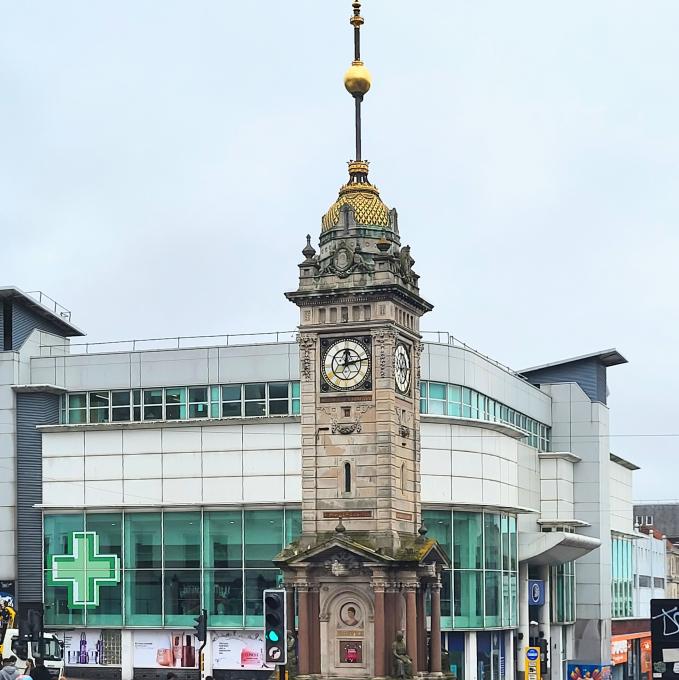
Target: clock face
<point x="346" y="364"/>
<point x="402" y="368"/>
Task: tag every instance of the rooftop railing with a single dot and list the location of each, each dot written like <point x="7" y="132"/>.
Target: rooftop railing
<point x="50" y="303"/>
<point x="232" y="340"/>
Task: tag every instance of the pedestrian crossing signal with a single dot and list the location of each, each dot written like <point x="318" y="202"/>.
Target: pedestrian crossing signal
<point x="275" y="633"/>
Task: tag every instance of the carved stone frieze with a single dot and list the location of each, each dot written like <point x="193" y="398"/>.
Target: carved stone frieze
<point x="385" y="339"/>
<point x="306" y="343"/>
<point x="345" y="426"/>
<point x="347" y="260"/>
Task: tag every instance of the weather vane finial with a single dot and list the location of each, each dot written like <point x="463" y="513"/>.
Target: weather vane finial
<point x="357" y="80"/>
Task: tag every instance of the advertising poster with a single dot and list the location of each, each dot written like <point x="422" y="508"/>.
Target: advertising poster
<point x="7" y="593"/>
<point x="92" y="647"/>
<point x="165" y="649"/>
<point x="588" y="671"/>
<point x="665" y="638"/>
<point x="238" y="650"/>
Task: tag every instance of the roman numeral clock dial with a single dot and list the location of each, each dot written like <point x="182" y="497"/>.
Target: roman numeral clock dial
<point x="346" y="364"/>
<point x="402" y="370"/>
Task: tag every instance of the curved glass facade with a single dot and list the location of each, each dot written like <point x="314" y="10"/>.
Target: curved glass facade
<point x="480" y="591"/>
<point x="251" y="400"/>
<point x="442" y="399"/>
<point x="165" y="560"/>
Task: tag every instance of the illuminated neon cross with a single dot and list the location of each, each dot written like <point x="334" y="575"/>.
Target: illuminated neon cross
<point x="84" y="570"/>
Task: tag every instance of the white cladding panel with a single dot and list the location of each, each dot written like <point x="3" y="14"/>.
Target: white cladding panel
<point x="470" y="465"/>
<point x="229" y="463"/>
<point x="622" y="504"/>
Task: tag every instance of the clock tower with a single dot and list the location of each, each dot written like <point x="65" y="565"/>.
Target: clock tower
<point x="363" y="565"/>
<point x="360" y="309"/>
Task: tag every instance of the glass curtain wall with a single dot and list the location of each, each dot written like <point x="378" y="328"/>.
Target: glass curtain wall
<point x="173" y="564"/>
<point x="441" y="399"/>
<point x="181" y="403"/>
<point x="622" y="581"/>
<point x="480" y="591"/>
<point x="563" y="593"/>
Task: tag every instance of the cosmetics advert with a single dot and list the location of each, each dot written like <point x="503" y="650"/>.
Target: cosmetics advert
<point x="239" y="649"/>
<point x="91" y="647"/>
<point x="165" y="649"/>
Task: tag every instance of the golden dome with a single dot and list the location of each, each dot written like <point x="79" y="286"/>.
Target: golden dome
<point x="364" y="198"/>
<point x="357" y="79"/>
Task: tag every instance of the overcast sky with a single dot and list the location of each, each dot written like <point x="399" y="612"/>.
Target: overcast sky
<point x="162" y="162"/>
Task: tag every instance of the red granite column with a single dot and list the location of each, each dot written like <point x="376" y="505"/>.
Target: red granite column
<point x="389" y="624"/>
<point x="303" y="637"/>
<point x="422" y="650"/>
<point x="379" y="625"/>
<point x="411" y="623"/>
<point x="315" y="630"/>
<point x="436" y="627"/>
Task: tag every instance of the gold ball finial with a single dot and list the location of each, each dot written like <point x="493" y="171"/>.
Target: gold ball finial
<point x="357" y="79"/>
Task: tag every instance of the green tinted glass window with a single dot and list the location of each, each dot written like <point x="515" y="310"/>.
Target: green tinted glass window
<point x="256" y="582"/>
<point x="439" y="525"/>
<point x="437" y="391"/>
<point x="77" y="401"/>
<point x="58" y="531"/>
<point x="224" y="597"/>
<point x="142" y="540"/>
<point x="468" y="590"/>
<point x="59" y="613"/>
<point x="143" y="598"/>
<point x="278" y="390"/>
<point x="493" y="601"/>
<point x="255" y="391"/>
<point x="109" y="529"/>
<point x="182" y="596"/>
<point x="467" y="540"/>
<point x="493" y="538"/>
<point x="223" y="539"/>
<point x="181" y="535"/>
<point x="231" y="392"/>
<point x="264" y="532"/>
<point x="293" y="525"/>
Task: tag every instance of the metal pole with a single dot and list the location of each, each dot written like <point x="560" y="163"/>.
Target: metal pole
<point x="201" y="660"/>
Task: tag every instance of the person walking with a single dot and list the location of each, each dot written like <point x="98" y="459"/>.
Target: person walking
<point x="40" y="672"/>
<point x="9" y="670"/>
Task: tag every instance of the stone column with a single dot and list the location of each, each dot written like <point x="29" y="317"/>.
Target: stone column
<point x="315" y="630"/>
<point x="303" y="633"/>
<point x="379" y="625"/>
<point x="422" y="650"/>
<point x="411" y="623"/>
<point x="436" y="627"/>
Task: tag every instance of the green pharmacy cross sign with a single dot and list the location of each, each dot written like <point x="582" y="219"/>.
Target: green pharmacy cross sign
<point x="84" y="570"/>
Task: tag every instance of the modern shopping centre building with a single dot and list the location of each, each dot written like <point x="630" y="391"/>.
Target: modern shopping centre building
<point x="382" y="479"/>
<point x="186" y="464"/>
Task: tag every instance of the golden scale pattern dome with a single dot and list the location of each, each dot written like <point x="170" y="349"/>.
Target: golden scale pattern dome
<point x="363" y="197"/>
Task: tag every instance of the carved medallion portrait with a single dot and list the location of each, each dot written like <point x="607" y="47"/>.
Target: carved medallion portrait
<point x="350" y="615"/>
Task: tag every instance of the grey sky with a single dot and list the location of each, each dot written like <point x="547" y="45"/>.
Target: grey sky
<point x="161" y="163"/>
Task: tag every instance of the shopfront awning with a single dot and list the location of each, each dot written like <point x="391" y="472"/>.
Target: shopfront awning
<point x="554" y="547"/>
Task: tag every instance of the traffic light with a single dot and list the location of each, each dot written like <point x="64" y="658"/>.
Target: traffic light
<point x="275" y="634"/>
<point x="544" y="652"/>
<point x="201" y="626"/>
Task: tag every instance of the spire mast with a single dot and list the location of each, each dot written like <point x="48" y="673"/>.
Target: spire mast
<point x="357" y="81"/>
<point x="356" y="22"/>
